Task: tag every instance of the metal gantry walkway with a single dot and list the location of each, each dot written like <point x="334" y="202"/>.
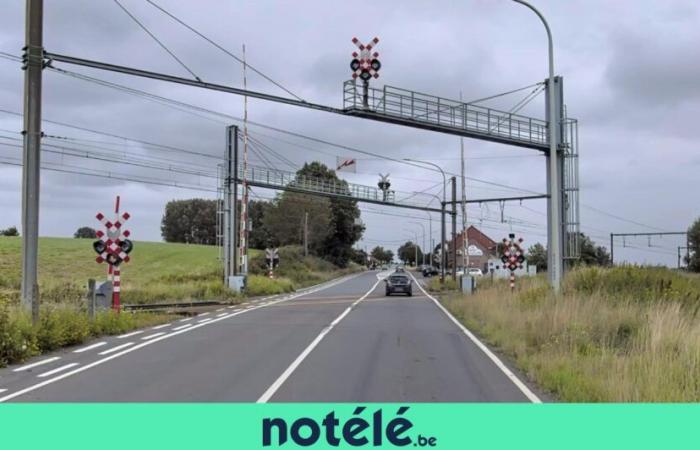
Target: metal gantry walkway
<point x="290" y="181"/>
<point x="405" y="107"/>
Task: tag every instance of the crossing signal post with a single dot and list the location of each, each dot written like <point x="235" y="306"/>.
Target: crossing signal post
<point x="513" y="256"/>
<point x="113" y="247"/>
<point x="365" y="65"/>
<point x="272" y="257"/>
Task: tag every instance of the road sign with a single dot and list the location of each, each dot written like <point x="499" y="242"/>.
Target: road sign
<point x="513" y="256"/>
<point x="365" y="64"/>
<point x="113" y="247"/>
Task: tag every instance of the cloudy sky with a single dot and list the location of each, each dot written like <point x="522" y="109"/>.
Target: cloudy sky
<point x="631" y="77"/>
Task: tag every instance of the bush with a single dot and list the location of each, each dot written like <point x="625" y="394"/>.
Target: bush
<point x="60" y="326"/>
<point x="260" y="285"/>
<point x="434" y="285"/>
<point x="17" y="339"/>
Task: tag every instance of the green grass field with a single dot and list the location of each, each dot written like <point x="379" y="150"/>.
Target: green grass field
<point x="628" y="334"/>
<point x="157" y="272"/>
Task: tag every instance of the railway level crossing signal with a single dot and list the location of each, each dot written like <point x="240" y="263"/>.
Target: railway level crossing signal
<point x="113" y="247"/>
<point x="365" y="65"/>
<point x="272" y="257"/>
<point x="513" y="256"/>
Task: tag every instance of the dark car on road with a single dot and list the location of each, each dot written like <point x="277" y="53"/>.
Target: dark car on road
<point x="429" y="271"/>
<point x="398" y="282"/>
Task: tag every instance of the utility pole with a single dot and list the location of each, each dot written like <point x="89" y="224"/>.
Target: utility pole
<point x="465" y="238"/>
<point x="554" y="161"/>
<point x="31" y="164"/>
<point x="306" y="233"/>
<point x="454" y="228"/>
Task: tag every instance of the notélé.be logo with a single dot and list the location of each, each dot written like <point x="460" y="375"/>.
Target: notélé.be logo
<point x="360" y="429"/>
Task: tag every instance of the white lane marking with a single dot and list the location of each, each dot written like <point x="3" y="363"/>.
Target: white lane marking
<point x="3" y="390"/>
<point x="293" y="366"/>
<point x="204" y="320"/>
<point x="145" y="338"/>
<point x="508" y="373"/>
<point x="231" y="307"/>
<point x="38" y="363"/>
<point x="185" y="320"/>
<point x="89" y="347"/>
<point x="220" y="309"/>
<point x="59" y="369"/>
<point x="80" y="369"/>
<point x="182" y="327"/>
<point x="117" y="348"/>
<point x="133" y="333"/>
<point x="161" y="326"/>
<point x="221" y="315"/>
<point x="203" y="314"/>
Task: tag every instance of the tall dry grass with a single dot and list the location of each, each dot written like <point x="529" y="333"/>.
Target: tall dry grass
<point x="620" y="335"/>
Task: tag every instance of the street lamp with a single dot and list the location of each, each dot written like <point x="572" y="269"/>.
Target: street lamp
<point x="554" y="231"/>
<point x="443" y="254"/>
<point x="423" y="227"/>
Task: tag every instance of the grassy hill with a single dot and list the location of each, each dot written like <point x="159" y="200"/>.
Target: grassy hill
<point x="157" y="271"/>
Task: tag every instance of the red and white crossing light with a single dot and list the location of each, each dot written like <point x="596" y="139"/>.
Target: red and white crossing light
<point x="513" y="256"/>
<point x="113" y="247"/>
<point x="365" y="64"/>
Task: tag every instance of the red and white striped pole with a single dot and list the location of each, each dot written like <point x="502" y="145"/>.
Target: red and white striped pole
<point x="512" y="281"/>
<point x="116" y="278"/>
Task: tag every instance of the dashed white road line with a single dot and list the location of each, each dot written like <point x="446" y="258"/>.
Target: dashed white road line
<point x="36" y="364"/>
<point x="3" y="390"/>
<point x="145" y="338"/>
<point x="185" y="320"/>
<point x="204" y="320"/>
<point x="182" y="327"/>
<point x="232" y="307"/>
<point x="133" y="333"/>
<point x="81" y="369"/>
<point x="293" y="366"/>
<point x="161" y="326"/>
<point x="203" y="314"/>
<point x="220" y="309"/>
<point x="117" y="348"/>
<point x="89" y="347"/>
<point x="59" y="369"/>
<point x="221" y="315"/>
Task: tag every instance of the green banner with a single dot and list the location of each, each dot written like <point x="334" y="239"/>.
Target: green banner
<point x="322" y="426"/>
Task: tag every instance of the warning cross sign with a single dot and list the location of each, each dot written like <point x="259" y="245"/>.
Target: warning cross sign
<point x="365" y="64"/>
<point x="113" y="247"/>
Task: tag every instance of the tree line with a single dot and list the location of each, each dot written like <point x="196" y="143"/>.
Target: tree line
<point x="333" y="222"/>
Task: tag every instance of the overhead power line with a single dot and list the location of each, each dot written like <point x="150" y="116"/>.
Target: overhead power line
<point x="153" y="36"/>
<point x="229" y="53"/>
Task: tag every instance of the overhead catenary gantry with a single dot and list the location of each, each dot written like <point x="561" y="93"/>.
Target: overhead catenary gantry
<point x="556" y="137"/>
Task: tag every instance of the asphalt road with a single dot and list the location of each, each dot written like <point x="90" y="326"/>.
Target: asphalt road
<point x="338" y="342"/>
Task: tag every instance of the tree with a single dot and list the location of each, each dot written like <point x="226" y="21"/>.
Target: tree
<point x="359" y="256"/>
<point x="407" y="253"/>
<point x="85" y="233"/>
<point x="592" y="255"/>
<point x="537" y="256"/>
<point x="259" y="236"/>
<point x="284" y="221"/>
<point x="344" y="227"/>
<point x="382" y="255"/>
<point x="12" y="231"/>
<point x="694" y="244"/>
<point x="190" y="221"/>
